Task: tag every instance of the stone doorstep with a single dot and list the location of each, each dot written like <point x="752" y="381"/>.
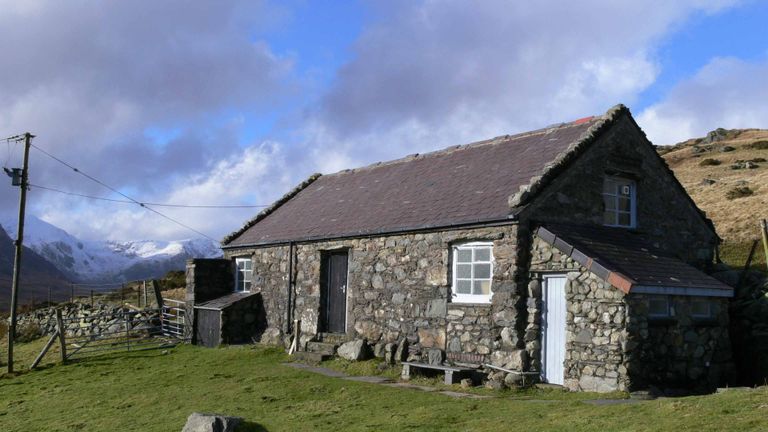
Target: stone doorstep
<point x="322" y="348"/>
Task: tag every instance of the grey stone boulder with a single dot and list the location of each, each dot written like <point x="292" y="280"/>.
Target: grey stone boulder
<point x="354" y="350"/>
<point x="201" y="422"/>
<point x="512" y="360"/>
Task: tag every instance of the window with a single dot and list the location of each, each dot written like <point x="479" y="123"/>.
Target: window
<point x="620" y="202"/>
<point x="701" y="309"/>
<point x="243" y="273"/>
<point x="472" y="272"/>
<point x="658" y="307"/>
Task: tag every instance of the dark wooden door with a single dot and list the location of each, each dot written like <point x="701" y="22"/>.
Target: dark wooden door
<point x="335" y="292"/>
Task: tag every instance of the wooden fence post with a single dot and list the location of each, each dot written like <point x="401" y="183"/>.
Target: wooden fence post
<point x="764" y="233"/>
<point x="62" y="337"/>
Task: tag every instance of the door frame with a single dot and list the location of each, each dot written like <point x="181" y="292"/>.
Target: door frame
<point x="544" y="326"/>
<point x="324" y="284"/>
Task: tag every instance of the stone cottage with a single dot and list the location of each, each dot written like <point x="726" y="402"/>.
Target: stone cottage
<point x="569" y="252"/>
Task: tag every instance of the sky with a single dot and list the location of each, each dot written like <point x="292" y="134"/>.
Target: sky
<point x="224" y="103"/>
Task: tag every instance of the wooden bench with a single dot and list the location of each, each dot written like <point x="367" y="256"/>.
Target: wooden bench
<point x="453" y="374"/>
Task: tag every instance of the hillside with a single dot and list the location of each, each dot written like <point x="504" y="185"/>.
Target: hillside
<point x="726" y="173"/>
<point x="37" y="275"/>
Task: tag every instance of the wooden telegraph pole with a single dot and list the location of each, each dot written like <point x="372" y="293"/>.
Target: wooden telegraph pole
<point x="18" y="244"/>
<point x="764" y="233"/>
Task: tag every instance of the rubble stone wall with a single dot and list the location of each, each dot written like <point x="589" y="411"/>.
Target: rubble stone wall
<point x="595" y="323"/>
<point x="399" y="287"/>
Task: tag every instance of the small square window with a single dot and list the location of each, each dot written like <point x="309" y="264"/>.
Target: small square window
<point x="701" y="309"/>
<point x="658" y="307"/>
<point x="619" y="199"/>
<point x="473" y="272"/>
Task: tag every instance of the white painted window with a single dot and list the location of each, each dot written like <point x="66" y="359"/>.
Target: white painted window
<point x="619" y="197"/>
<point x="472" y="272"/>
<point x="701" y="309"/>
<point x="659" y="307"/>
<point x="243" y="274"/>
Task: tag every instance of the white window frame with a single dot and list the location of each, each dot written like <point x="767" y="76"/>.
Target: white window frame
<point x="669" y="312"/>
<point x="472" y="298"/>
<point x="624" y="182"/>
<point x="709" y="313"/>
<point x="247" y="280"/>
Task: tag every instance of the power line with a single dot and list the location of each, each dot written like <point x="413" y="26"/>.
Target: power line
<point x="145" y="203"/>
<point x="94" y="179"/>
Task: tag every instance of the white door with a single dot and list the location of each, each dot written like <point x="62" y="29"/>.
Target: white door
<point x="553" y="329"/>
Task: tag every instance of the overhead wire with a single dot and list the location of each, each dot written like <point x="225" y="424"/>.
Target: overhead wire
<point x="48" y="188"/>
<point x="143" y="205"/>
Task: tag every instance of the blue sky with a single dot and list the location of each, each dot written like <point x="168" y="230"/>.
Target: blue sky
<point x="233" y="102"/>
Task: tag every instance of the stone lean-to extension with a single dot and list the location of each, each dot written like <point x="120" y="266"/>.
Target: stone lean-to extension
<point x="398" y="226"/>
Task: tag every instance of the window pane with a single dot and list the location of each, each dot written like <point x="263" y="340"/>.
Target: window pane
<point x="481" y="287"/>
<point x="610" y="202"/>
<point x="701" y="309"/>
<point x="464" y="287"/>
<point x="248" y="264"/>
<point x="625" y="219"/>
<point x="625" y="204"/>
<point x="464" y="271"/>
<point x="658" y="307"/>
<point x="483" y="254"/>
<point x="247" y="286"/>
<point x="482" y="271"/>
<point x="464" y="255"/>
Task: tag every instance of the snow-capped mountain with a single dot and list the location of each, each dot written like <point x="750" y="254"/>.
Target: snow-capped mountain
<point x="108" y="261"/>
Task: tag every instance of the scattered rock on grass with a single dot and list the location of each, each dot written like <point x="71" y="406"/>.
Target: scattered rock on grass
<point x="201" y="422"/>
<point x="354" y="350"/>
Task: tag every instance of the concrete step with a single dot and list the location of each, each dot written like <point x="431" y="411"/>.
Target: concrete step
<point x="321" y="348"/>
<point x="310" y="357"/>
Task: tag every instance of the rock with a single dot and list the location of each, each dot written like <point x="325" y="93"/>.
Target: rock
<point x="379" y="350"/>
<point x="726" y="149"/>
<point x="200" y="422"/>
<point x="513" y="360"/>
<point x="435" y="356"/>
<point x="436" y="308"/>
<point x="354" y="350"/>
<point x="466" y="383"/>
<point x="271" y="336"/>
<point x="402" y="351"/>
<point x="513" y="380"/>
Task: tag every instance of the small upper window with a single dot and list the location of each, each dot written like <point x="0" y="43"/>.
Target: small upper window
<point x="243" y="273"/>
<point x="701" y="309"/>
<point x="619" y="199"/>
<point x="659" y="307"/>
<point x="472" y="272"/>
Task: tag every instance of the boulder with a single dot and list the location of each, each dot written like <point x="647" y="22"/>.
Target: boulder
<point x="512" y="360"/>
<point x="201" y="422"/>
<point x="354" y="350"/>
<point x="435" y="356"/>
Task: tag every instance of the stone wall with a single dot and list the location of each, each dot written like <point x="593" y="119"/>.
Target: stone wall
<point x="664" y="213"/>
<point x="398" y="288"/>
<point x="595" y="323"/>
<point x="681" y="351"/>
<point x="243" y="321"/>
<point x="81" y="319"/>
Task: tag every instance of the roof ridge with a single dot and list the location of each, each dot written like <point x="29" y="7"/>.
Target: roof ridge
<point x="537" y="183"/>
<point x="460" y="147"/>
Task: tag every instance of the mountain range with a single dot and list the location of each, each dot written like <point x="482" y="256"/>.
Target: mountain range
<point x="74" y="260"/>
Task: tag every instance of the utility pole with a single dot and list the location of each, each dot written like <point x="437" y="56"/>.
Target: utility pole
<point x="764" y="233"/>
<point x="18" y="244"/>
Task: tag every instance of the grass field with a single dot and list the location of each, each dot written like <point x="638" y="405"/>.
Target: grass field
<point x="156" y="391"/>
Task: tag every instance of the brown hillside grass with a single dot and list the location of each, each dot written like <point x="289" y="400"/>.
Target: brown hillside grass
<point x="711" y="185"/>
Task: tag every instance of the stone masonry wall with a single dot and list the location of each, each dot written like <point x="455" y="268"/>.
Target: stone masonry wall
<point x="664" y="213"/>
<point x="681" y="351"/>
<point x="398" y="288"/>
<point x="595" y="323"/>
<point x="207" y="279"/>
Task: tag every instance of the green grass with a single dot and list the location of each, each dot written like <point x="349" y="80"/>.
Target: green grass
<point x="152" y="391"/>
<point x="735" y="254"/>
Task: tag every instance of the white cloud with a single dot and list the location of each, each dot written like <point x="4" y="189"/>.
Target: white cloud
<point x="727" y="92"/>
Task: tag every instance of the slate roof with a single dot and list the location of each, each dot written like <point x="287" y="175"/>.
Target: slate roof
<point x="460" y="185"/>
<point x="629" y="262"/>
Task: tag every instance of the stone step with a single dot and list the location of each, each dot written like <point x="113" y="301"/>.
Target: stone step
<point x="333" y="338"/>
<point x="321" y="348"/>
<point x="310" y="357"/>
